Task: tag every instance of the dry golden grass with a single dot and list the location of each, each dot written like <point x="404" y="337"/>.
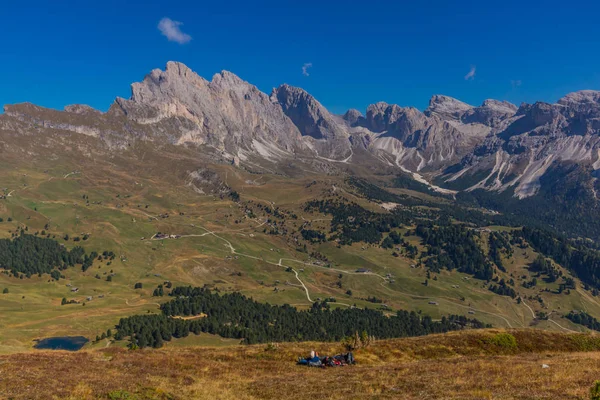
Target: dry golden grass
<point x="465" y="365"/>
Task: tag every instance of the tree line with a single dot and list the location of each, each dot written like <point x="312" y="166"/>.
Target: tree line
<point x="352" y="223"/>
<point x="29" y="254"/>
<point x="454" y="246"/>
<point x="499" y="244"/>
<point x="582" y="261"/>
<point x="234" y="315"/>
<point x="585" y="319"/>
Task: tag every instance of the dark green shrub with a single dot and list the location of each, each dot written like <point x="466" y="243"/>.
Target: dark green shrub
<point x="595" y="391"/>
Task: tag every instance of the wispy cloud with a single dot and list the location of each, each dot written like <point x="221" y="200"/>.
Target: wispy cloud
<point x="171" y="29"/>
<point x="516" y="83"/>
<point x="305" y="68"/>
<point x="471" y="75"/>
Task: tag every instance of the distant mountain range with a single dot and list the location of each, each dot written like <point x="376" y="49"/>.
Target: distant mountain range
<point x="452" y="146"/>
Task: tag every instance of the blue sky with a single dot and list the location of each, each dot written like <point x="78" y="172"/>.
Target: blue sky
<point x="59" y="53"/>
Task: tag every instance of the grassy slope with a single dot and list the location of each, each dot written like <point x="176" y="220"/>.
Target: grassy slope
<point x="459" y="365"/>
<point x="46" y="193"/>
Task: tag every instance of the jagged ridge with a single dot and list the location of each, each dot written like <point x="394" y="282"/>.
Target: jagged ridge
<point x="504" y="146"/>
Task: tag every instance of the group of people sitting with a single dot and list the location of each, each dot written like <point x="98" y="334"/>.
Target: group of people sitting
<point x="313" y="360"/>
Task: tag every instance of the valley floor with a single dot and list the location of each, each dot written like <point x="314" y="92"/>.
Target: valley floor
<point x="460" y="365"/>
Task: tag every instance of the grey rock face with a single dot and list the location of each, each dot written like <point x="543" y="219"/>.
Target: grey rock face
<point x="352" y="116"/>
<point x="330" y="138"/>
<point x="423" y="141"/>
<point x="491" y="113"/>
<point x="380" y="116"/>
<point x="226" y="113"/>
<point x="535" y="138"/>
<point x="447" y="107"/>
<point x="581" y="98"/>
<point x="311" y="118"/>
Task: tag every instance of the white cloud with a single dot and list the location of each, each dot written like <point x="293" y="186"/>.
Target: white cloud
<point x="305" y="68"/>
<point x="171" y="29"/>
<point x="516" y="83"/>
<point x="471" y="75"/>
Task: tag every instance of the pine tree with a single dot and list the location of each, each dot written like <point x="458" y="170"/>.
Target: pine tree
<point x="158" y="340"/>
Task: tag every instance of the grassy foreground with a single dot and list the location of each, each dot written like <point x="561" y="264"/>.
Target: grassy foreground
<point x="491" y="364"/>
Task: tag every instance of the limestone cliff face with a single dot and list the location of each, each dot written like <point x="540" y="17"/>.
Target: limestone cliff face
<point x="525" y="145"/>
<point x="324" y="132"/>
<point x="419" y="141"/>
<point x="226" y="113"/>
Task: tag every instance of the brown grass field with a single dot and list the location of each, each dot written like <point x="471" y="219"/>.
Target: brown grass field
<point x="460" y="365"/>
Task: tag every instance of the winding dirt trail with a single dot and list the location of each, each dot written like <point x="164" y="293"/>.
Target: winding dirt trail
<point x="562" y="327"/>
<point x="530" y="309"/>
<point x="141" y="304"/>
<point x="303" y="285"/>
<point x="70" y="173"/>
<point x="549" y="319"/>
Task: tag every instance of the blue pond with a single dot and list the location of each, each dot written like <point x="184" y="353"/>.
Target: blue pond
<point x="70" y="343"/>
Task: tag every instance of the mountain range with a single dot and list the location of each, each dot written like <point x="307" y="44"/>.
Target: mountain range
<point x="452" y="147"/>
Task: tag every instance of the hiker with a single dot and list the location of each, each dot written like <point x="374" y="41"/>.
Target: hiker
<point x="312" y="360"/>
<point x="339" y="360"/>
<point x="347" y="358"/>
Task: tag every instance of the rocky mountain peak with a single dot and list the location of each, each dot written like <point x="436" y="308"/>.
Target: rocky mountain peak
<point x="491" y="113"/>
<point x="500" y="106"/>
<point x="447" y="106"/>
<point x="585" y="102"/>
<point x="226" y="113"/>
<point x="352" y="116"/>
<point x="287" y="96"/>
<point x="379" y="107"/>
<point x="381" y="115"/>
<point x="307" y="113"/>
<point x="178" y="81"/>
<point x="177" y="68"/>
<point x="229" y="80"/>
<point x="314" y="121"/>
<point x="542" y="113"/>
<point x="581" y="97"/>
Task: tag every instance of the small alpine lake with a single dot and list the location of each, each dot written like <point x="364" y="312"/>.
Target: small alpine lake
<point x="70" y="343"/>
